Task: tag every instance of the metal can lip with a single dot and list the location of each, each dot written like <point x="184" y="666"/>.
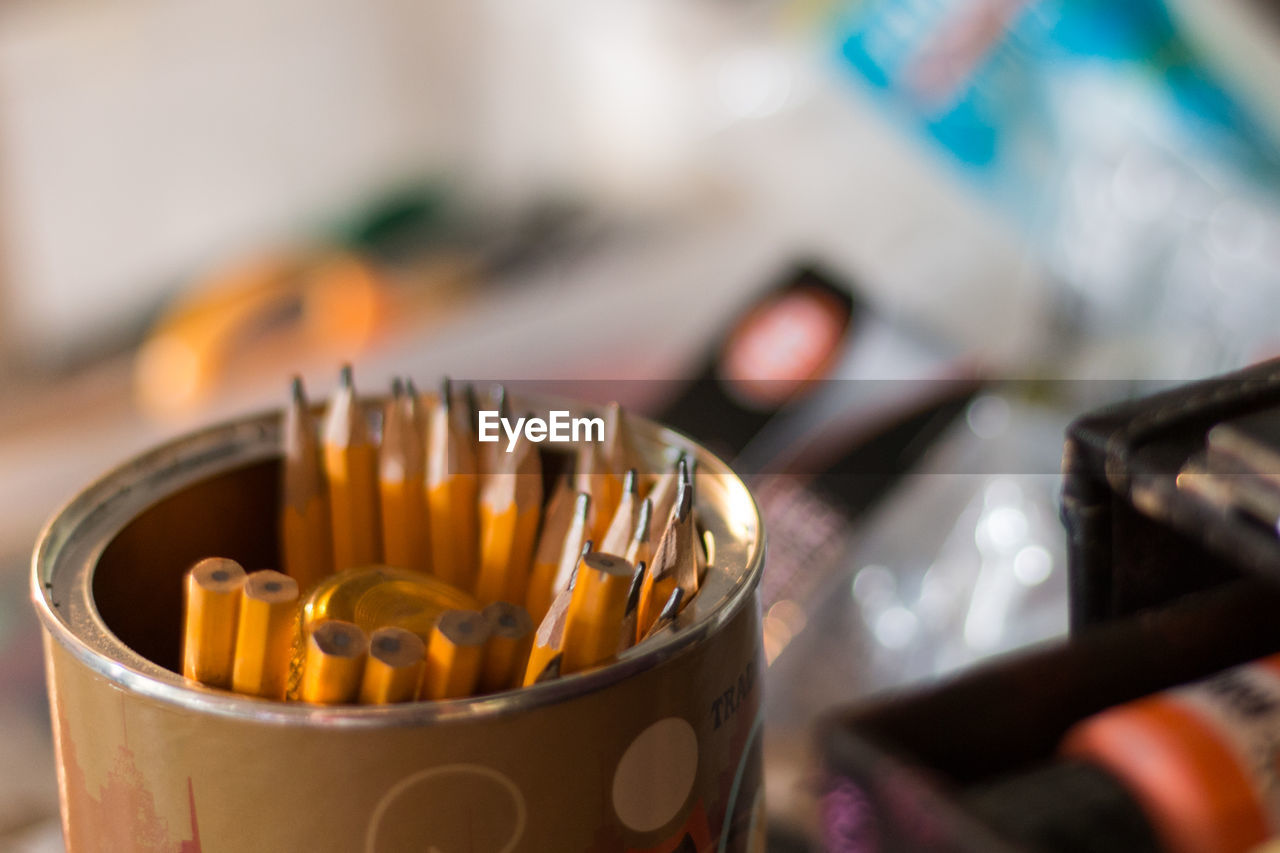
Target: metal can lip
<point x="68" y="548"/>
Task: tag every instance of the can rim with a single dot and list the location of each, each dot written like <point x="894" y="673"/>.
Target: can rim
<point x="206" y="452"/>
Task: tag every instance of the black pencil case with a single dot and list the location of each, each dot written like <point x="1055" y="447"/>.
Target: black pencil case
<point x="1165" y="588"/>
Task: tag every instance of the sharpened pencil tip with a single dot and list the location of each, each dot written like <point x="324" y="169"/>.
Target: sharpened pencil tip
<point x="446" y="393"/>
<point x="346" y="376"/>
<point x="671" y="609"/>
<point x="684" y="501"/>
<point x="498" y="395"/>
<point x="410" y="388"/>
<point x="629" y="484"/>
<point x="633" y="593"/>
<point x="644" y="520"/>
<point x="297" y="393"/>
<point x="397" y="388"/>
<point x="551" y="671"/>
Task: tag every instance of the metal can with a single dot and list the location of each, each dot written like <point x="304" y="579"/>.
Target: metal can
<point x="657" y="752"/>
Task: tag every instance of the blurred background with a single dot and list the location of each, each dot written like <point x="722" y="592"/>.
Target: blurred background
<point x="1027" y="208"/>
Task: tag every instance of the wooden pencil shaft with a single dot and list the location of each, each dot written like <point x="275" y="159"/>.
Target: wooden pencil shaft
<point x="334" y="664"/>
<point x="264" y="636"/>
<point x="210" y="620"/>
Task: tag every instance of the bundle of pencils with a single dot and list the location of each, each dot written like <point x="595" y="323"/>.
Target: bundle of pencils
<point x="562" y="581"/>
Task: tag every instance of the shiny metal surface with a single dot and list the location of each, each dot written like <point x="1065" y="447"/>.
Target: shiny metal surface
<point x="108" y="566"/>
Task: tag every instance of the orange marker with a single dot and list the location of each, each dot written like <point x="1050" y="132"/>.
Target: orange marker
<point x="593" y="624"/>
<point x="452" y="485"/>
<point x="510" y="639"/>
<point x="455" y="654"/>
<point x="351" y="468"/>
<point x="334" y="664"/>
<point x="393" y="671"/>
<point x="1189" y="756"/>
<point x="264" y="637"/>
<point x="402" y="483"/>
<point x="210" y="620"/>
<point x="306" y="543"/>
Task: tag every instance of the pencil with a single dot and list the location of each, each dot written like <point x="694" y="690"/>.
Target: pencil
<point x="674" y="561"/>
<point x="306" y="545"/>
<point x="334" y="664"/>
<point x="455" y="653"/>
<point x="627" y="632"/>
<point x="351" y="468"/>
<point x="264" y="636"/>
<point x="551" y="671"/>
<point x="510" y="508"/>
<point x="394" y="668"/>
<point x="621" y="529"/>
<point x="510" y="639"/>
<point x="556" y="519"/>
<point x="666" y="490"/>
<point x="451" y="495"/>
<point x="601" y="467"/>
<point x="593" y="624"/>
<point x="402" y="482"/>
<point x="667" y="617"/>
<point x="549" y="638"/>
<point x="544" y="587"/>
<point x="576" y="544"/>
<point x="210" y="620"/>
<point x="640" y="548"/>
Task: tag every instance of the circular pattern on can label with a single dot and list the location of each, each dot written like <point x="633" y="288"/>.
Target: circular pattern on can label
<point x="656" y="774"/>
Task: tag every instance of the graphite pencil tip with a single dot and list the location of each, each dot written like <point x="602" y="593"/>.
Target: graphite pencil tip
<point x="346" y="376"/>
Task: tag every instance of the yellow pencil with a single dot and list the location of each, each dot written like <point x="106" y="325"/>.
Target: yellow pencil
<point x="674" y="562"/>
<point x="451" y="495"/>
<point x="393" y="671"/>
<point x="402" y="483"/>
<point x="549" y="639"/>
<point x="640" y="548"/>
<point x="667" y="617"/>
<point x="630" y="614"/>
<point x="618" y="535"/>
<point x="306" y="545"/>
<point x="334" y="663"/>
<point x="510" y="509"/>
<point x="593" y="624"/>
<point x="210" y="620"/>
<point x="546" y="557"/>
<point x="510" y="640"/>
<point x="667" y="488"/>
<point x="351" y="468"/>
<point x="551" y="671"/>
<point x="455" y="654"/>
<point x="264" y="637"/>
<point x="576" y="544"/>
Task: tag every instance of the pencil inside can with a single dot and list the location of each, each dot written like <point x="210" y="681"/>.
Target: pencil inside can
<point x="657" y="751"/>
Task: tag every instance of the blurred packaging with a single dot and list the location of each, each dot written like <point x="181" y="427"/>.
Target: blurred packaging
<point x="1148" y="186"/>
